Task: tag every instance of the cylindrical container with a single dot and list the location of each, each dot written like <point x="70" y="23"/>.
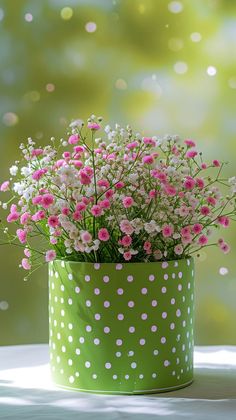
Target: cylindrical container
<point x="121" y="328"/>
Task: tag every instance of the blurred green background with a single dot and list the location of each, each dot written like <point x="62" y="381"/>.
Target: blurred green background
<point x="161" y="66"/>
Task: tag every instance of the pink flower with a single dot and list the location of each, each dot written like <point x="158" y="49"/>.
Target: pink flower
<point x="132" y="145"/>
<point x="119" y="185"/>
<point x="203" y="240"/>
<point x="126" y="227"/>
<point x="186" y="239"/>
<point x="86" y="237"/>
<point x="37" y="152"/>
<point x="50" y="255"/>
<point x="76" y="163"/>
<point x="205" y="210"/>
<point x="37" y="199"/>
<point x="191" y="154"/>
<point x="13" y="216"/>
<point x="148" y="160"/>
<point x="96" y="210"/>
<point x="94" y="126"/>
<point x="200" y="183"/>
<point x="216" y="163"/>
<point x="103" y="183"/>
<point x="185" y="231"/>
<point x="25" y="218"/>
<point x="39" y="215"/>
<point x="105" y="204"/>
<point x="211" y="201"/>
<point x="84" y="178"/>
<point x="73" y="139"/>
<point x="47" y="200"/>
<point x="53" y="241"/>
<point x="103" y="234"/>
<point x="27" y="252"/>
<point x="65" y="211"/>
<point x="59" y="163"/>
<point x="178" y="249"/>
<point x="80" y="206"/>
<point x="38" y="174"/>
<point x="5" y="186"/>
<point x="66" y="155"/>
<point x="190" y="143"/>
<point x="109" y="194"/>
<point x="167" y="230"/>
<point x="197" y="228"/>
<point x="149" y="140"/>
<point x="225" y="247"/>
<point x="170" y="190"/>
<point x="78" y="149"/>
<point x="189" y="183"/>
<point x="53" y="221"/>
<point x="183" y="211"/>
<point x="126" y="240"/>
<point x="77" y="215"/>
<point x="127" y="255"/>
<point x="204" y="166"/>
<point x="21" y="234"/>
<point x="152" y="193"/>
<point x="223" y="220"/>
<point x="26" y="264"/>
<point x="147" y="246"/>
<point x="127" y="202"/>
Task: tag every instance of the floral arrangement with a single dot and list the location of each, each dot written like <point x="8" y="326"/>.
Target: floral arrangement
<point x="115" y="196"/>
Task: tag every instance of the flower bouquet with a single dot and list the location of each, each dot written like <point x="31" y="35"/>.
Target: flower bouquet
<point x="118" y="217"/>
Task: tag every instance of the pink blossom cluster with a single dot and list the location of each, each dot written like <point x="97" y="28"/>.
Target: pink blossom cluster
<point x="113" y="196"/>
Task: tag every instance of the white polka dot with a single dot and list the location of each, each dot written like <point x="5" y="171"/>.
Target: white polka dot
<point x="166" y="276"/>
<point x="164" y="315"/>
<point x="153" y="328"/>
<point x="70" y="338"/>
<point x="131" y="329"/>
<point x="114" y="377"/>
<point x="87" y="278"/>
<point x="70" y="326"/>
<point x="188" y="310"/>
<point x="106" y="304"/>
<point x="177" y="361"/>
<point x="88" y="328"/>
<point x="77" y="374"/>
<point x="106" y="279"/>
<point x="119" y="266"/>
<point x="163" y="290"/>
<point x="56" y="274"/>
<point x="163" y="340"/>
<point x="166" y="363"/>
<point x="141" y="376"/>
<point x="61" y="371"/>
<point x="119" y="342"/>
<point x="120" y="317"/>
<point x="77" y="351"/>
<point x="63" y="264"/>
<point x="62" y="300"/>
<point x="97" y="317"/>
<point x="189" y="285"/>
<point x="126" y="376"/>
<point x="70" y="276"/>
<point x="88" y="303"/>
<point x="87" y="364"/>
<point x="144" y="291"/>
<point x="180" y="287"/>
<point x="178" y="313"/>
<point x="97" y="291"/>
<point x="120" y="291"/>
<point x="155" y="352"/>
<point x="180" y="275"/>
<point x="62" y="288"/>
<point x="154" y="302"/>
<point x="106" y="330"/>
<point x="62" y="312"/>
<point x="154" y="375"/>
<point x="184" y="323"/>
<point x="176" y="264"/>
<point x="96" y="341"/>
<point x="62" y="324"/>
<point x="63" y="349"/>
<point x="142" y="341"/>
<point x="96" y="266"/>
<point x="71" y="379"/>
<point x="55" y="299"/>
<point x="183" y="347"/>
<point x="70" y="301"/>
<point x="77" y="289"/>
<point x="118" y="354"/>
<point x="151" y="277"/>
<point x="70" y="362"/>
<point x="144" y="316"/>
<point x="172" y="326"/>
<point x="188" y="262"/>
<point x="130" y="279"/>
<point x="131" y="304"/>
<point x="130" y="353"/>
<point x="133" y="365"/>
<point x="81" y="340"/>
<point x="108" y="365"/>
<point x="173" y="373"/>
<point x="172" y="301"/>
<point x="55" y="322"/>
<point x="183" y="298"/>
<point x="173" y="275"/>
<point x="53" y="286"/>
<point x="173" y="350"/>
<point x="58" y="359"/>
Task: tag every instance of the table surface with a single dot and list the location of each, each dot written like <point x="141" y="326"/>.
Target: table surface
<point x="26" y="391"/>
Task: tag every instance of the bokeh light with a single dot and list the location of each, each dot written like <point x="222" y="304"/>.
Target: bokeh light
<point x="91" y="27"/>
<point x="50" y="87"/>
<point x="4" y="305"/>
<point x="175" y="44"/>
<point x="66" y="13"/>
<point x="10" y="119"/>
<point x="211" y="71"/>
<point x="28" y="17"/>
<point x="1" y="14"/>
<point x="121" y="84"/>
<point x="175" y="7"/>
<point x="196" y="37"/>
<point x="223" y="271"/>
<point x="181" y="67"/>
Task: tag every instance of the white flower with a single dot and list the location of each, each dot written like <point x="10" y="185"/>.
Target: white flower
<point x="25" y="171"/>
<point x="13" y="170"/>
<point x="232" y="180"/>
<point x="107" y="129"/>
<point x="150" y="226"/>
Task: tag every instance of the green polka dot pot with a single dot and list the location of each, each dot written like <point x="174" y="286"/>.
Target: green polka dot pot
<point x="121" y="328"/>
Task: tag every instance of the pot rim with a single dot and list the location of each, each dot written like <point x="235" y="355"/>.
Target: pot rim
<point x="180" y="260"/>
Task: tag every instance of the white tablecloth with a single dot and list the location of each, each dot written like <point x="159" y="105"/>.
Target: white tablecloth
<point x="26" y="391"/>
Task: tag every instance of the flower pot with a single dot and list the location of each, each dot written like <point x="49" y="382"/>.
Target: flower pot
<point x="121" y="328"/>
